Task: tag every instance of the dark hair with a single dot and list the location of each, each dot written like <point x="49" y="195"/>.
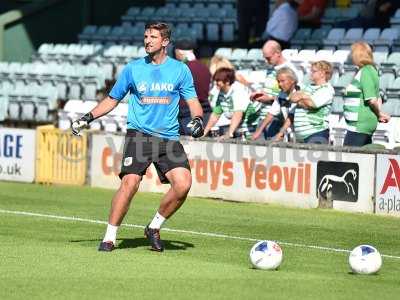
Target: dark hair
<point x="163" y="28"/>
<point x="225" y="75"/>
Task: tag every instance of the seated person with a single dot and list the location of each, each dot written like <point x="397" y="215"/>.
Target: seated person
<point x="313" y="105"/>
<point x="232" y="101"/>
<point x="310" y="13"/>
<point x="287" y="81"/>
<point x="376" y="13"/>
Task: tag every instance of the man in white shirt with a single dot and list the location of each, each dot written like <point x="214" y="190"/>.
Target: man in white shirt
<point x="272" y="53"/>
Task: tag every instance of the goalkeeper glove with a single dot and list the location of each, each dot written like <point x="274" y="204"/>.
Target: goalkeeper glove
<point x="196" y="127"/>
<point x="81" y="123"/>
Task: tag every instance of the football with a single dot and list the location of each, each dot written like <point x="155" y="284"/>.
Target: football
<point x="266" y="255"/>
<point x="365" y="259"/>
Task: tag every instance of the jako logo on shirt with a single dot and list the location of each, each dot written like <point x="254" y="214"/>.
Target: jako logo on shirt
<point x="165" y="87"/>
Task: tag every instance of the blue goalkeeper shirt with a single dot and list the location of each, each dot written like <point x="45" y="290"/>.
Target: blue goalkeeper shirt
<point x="155" y="92"/>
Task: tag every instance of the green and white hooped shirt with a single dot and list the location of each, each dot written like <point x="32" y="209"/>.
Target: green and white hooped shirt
<point x="236" y="99"/>
<point x="311" y="121"/>
<point x="357" y="112"/>
<point x="271" y="86"/>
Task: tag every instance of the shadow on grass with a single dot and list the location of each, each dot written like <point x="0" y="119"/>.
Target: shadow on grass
<point x="142" y="242"/>
<point x="138" y="242"/>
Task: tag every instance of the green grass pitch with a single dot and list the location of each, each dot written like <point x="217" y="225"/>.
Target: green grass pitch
<point x="44" y="257"/>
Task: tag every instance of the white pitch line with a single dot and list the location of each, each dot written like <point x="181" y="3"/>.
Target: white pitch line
<point x="208" y="234"/>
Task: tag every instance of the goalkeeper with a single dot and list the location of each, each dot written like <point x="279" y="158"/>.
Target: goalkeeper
<point x="156" y="83"/>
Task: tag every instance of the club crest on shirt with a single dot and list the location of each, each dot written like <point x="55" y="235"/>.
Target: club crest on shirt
<point x="127" y="161"/>
<point x="142" y="87"/>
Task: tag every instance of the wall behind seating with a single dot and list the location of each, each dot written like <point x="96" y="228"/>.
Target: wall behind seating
<point x="105" y="12"/>
<point x="23" y="30"/>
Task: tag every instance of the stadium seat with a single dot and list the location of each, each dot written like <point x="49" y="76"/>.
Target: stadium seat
<point x="290" y="53"/>
<point x="392" y="106"/>
<point x="238" y="55"/>
<point x="198" y="28"/>
<point x="392" y="63"/>
<point x="3" y="107"/>
<point x="228" y="32"/>
<point x="64" y="122"/>
<point x="255" y="58"/>
<point x="146" y="14"/>
<point x="324" y="54"/>
<point x="303" y="58"/>
<point x="347" y="14"/>
<point x="380" y="57"/>
<point x="87" y="34"/>
<point x="109" y="124"/>
<point x="330" y="15"/>
<point x="371" y="34"/>
<point x="337" y="105"/>
<point x="14" y="109"/>
<point x="131" y="15"/>
<point x="385" y="134"/>
<point x="395" y="20"/>
<point x="212" y="32"/>
<point x="338" y="132"/>
<point x="334" y="37"/>
<point x="385" y="41"/>
<point x="224" y="52"/>
<point x="343" y="82"/>
<point x="299" y="38"/>
<point x="316" y="39"/>
<point x="393" y="89"/>
<point x="101" y="34"/>
<point x="352" y="35"/>
<point x="385" y="81"/>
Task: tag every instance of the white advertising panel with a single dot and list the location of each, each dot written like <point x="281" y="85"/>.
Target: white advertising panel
<point x="17" y="154"/>
<point x="388" y="185"/>
<point x="251" y="173"/>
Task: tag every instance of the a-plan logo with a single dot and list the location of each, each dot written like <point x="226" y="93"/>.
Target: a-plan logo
<point x="392" y="179"/>
<point x="337" y="181"/>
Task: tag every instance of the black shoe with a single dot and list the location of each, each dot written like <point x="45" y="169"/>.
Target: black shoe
<point x="153" y="236"/>
<point x="106" y="246"/>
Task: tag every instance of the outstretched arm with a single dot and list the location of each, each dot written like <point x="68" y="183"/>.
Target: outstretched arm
<point x="235" y="122"/>
<point x="104" y="107"/>
<point x="211" y="122"/>
<point x="260" y="129"/>
<point x="281" y="134"/>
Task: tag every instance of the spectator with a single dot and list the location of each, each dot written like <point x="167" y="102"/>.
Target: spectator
<point x="217" y="62"/>
<point x="272" y="53"/>
<point x="310" y="13"/>
<point x="283" y="23"/>
<point x="287" y="81"/>
<point x="361" y="100"/>
<point x="313" y="105"/>
<point x="251" y="19"/>
<point x="232" y="101"/>
<point x="184" y="51"/>
<point x="376" y="13"/>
